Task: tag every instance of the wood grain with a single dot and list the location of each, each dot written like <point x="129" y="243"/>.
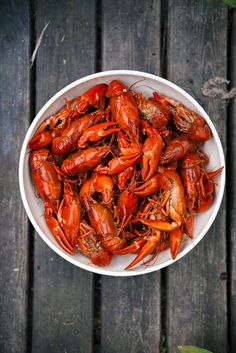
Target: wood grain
<point x="130" y="309"/>
<point x="63" y="293"/>
<point x="131" y="314"/>
<point x="131" y="35"/>
<point x="196" y="293"/>
<point x="231" y="188"/>
<point x="14" y="113"/>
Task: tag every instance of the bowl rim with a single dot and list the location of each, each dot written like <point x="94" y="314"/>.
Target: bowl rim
<point x="101" y="270"/>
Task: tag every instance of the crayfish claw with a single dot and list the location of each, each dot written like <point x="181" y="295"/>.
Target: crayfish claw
<point x="149" y="187"/>
<point x="146" y="250"/>
<point x="56" y="230"/>
<point x="132" y="248"/>
<point x="175" y="241"/>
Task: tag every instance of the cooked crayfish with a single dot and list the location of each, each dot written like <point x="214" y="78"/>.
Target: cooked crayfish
<point x="68" y="140"/>
<point x="155" y="110"/>
<point x="124" y="108"/>
<point x="89" y="245"/>
<point x="63" y="221"/>
<point x="84" y="160"/>
<point x="174" y="206"/>
<point x="127" y="158"/>
<point x="45" y="177"/>
<point x="198" y="183"/>
<point x="102" y="221"/>
<point x="188" y="122"/>
<point x="151" y="153"/>
<point x="120" y="173"/>
<point x="96" y="132"/>
<point x="69" y="214"/>
<point x="54" y="125"/>
<point x="177" y="149"/>
<point x="98" y="183"/>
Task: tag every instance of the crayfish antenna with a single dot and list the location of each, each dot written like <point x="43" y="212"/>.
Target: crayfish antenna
<point x="133" y="84"/>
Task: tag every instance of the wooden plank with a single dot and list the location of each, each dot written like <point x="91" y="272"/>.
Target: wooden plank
<point x="131" y="314"/>
<point x="131" y="35"/>
<point x="196" y="291"/>
<point x="130" y="307"/>
<point x="14" y="112"/>
<point x="63" y="294"/>
<point x="232" y="188"/>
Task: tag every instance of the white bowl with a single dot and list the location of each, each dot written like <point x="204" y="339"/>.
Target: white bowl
<point x="213" y="148"/>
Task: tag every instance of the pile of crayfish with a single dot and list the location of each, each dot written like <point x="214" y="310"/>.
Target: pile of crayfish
<point x="120" y="173"/>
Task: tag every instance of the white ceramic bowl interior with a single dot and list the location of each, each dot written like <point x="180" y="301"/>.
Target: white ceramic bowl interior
<point x="213" y="148"/>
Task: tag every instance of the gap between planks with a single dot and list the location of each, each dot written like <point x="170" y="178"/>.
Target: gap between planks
<point x="32" y="98"/>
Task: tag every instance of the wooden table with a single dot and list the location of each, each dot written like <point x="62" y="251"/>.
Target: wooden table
<point x="49" y="305"/>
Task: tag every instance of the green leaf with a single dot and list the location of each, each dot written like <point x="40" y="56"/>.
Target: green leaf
<point x="192" y="349"/>
<point x="231" y="3"/>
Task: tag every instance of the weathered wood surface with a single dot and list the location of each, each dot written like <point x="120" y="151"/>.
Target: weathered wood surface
<point x="130" y="307"/>
<point x="232" y="187"/>
<point x="14" y="120"/>
<point x="131" y="35"/>
<point x="196" y="295"/>
<point x="63" y="293"/>
<point x="130" y="314"/>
